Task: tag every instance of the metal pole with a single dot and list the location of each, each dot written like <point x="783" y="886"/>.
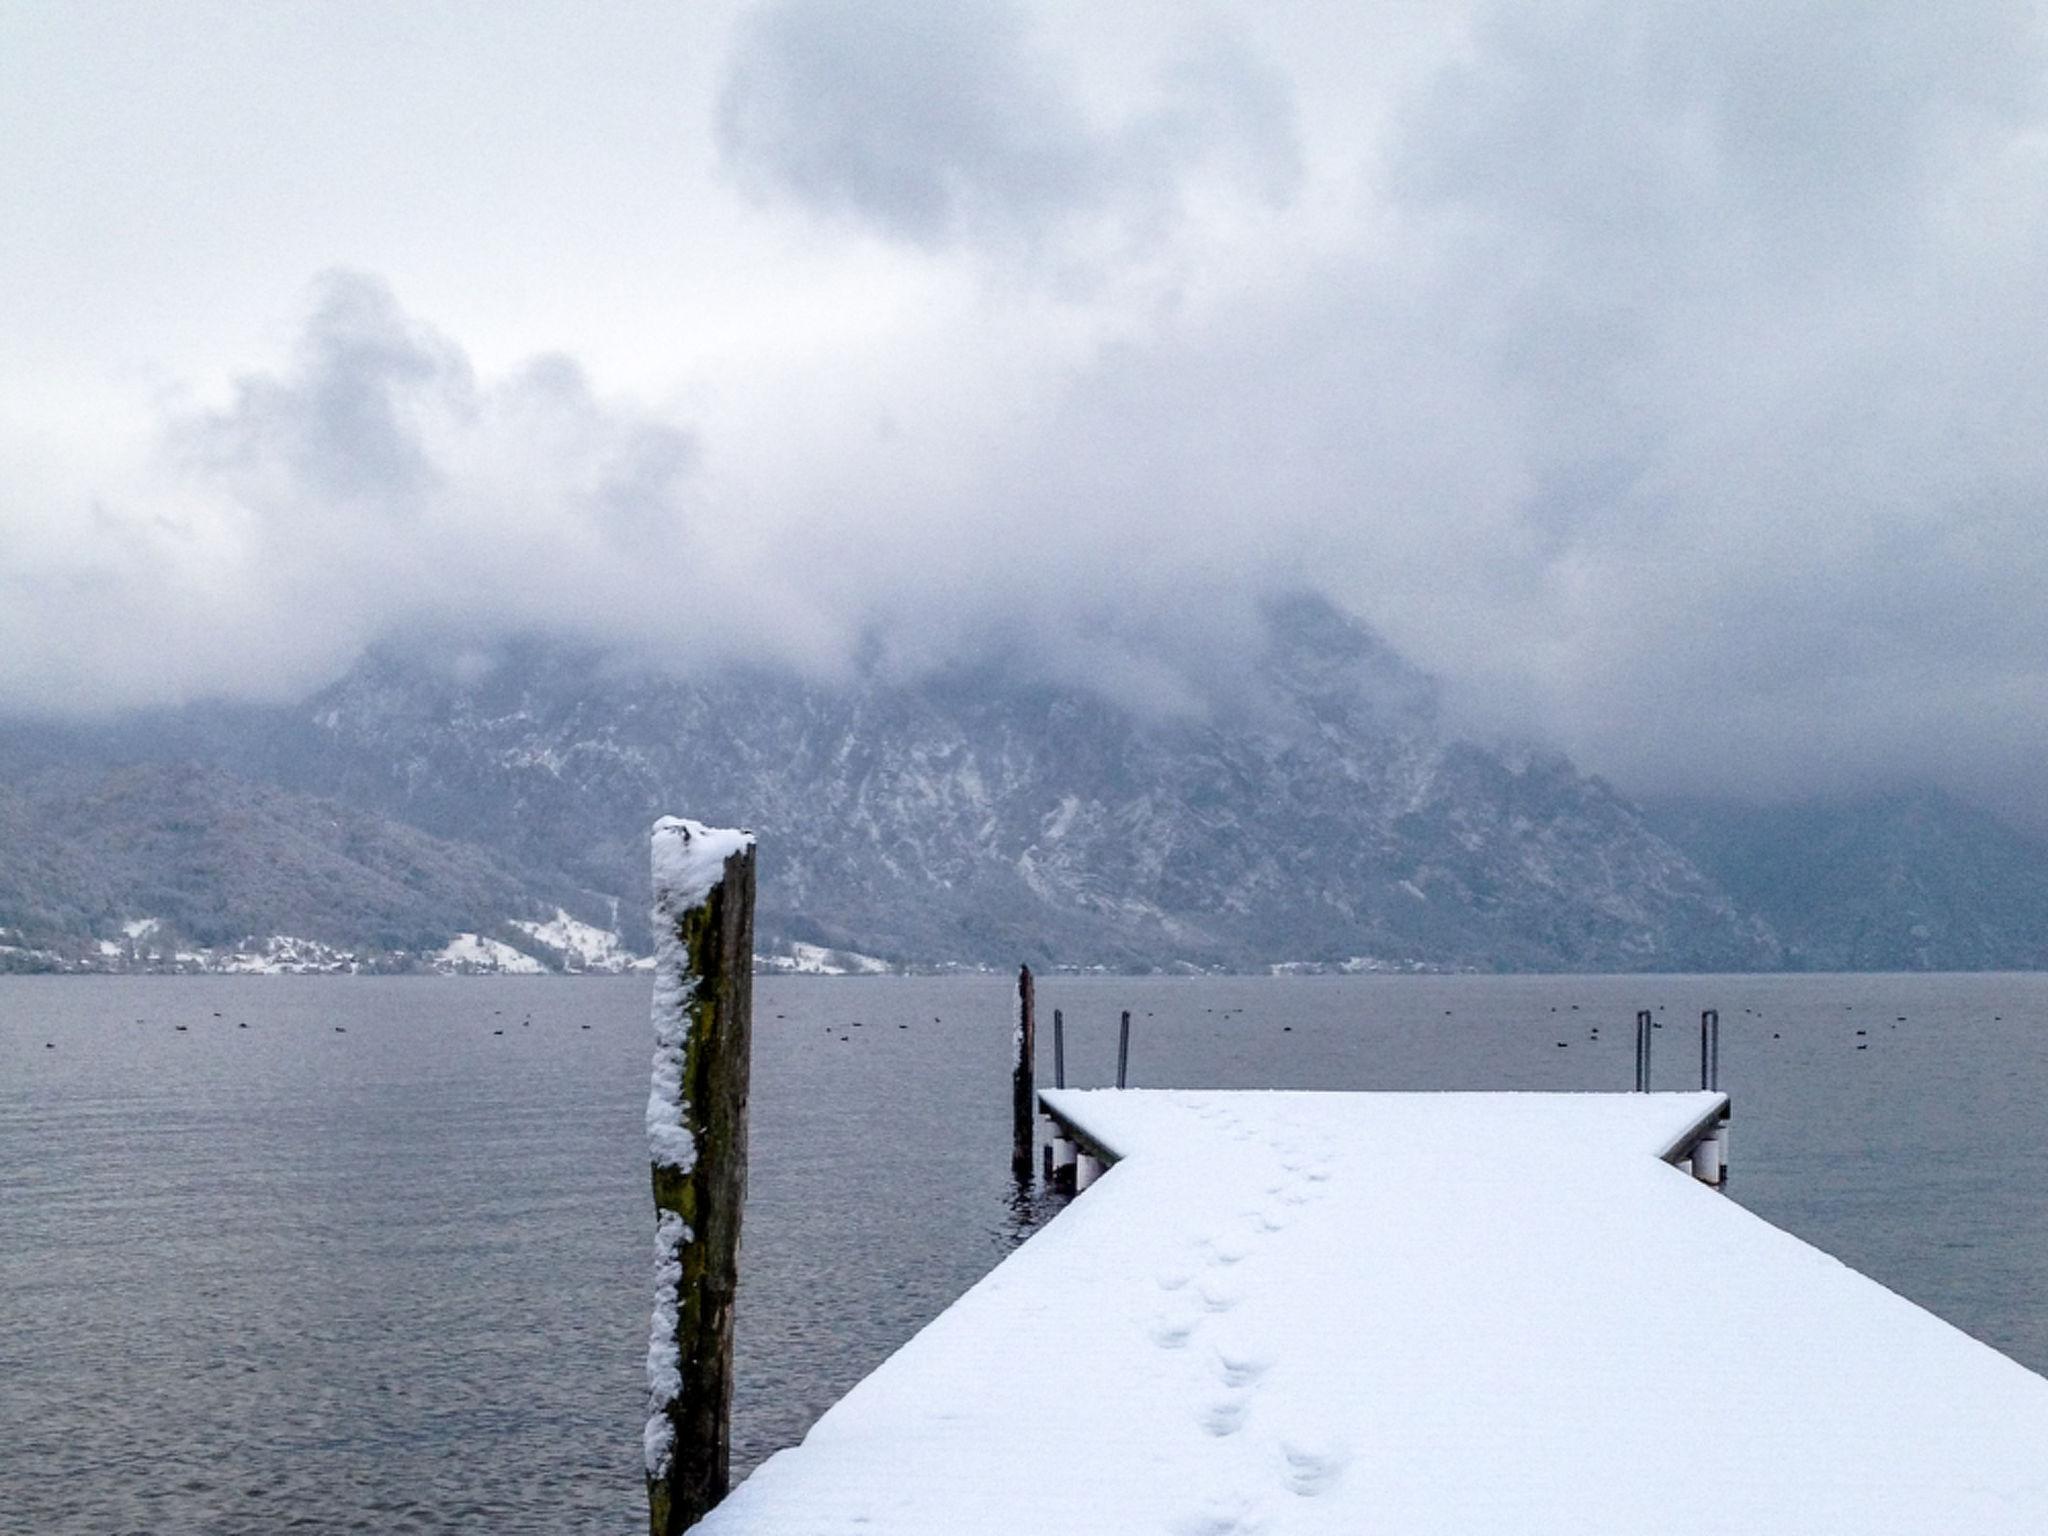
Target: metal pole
<point x="1714" y="1076"/>
<point x="1123" y="1049"/>
<point x="1059" y="1050"/>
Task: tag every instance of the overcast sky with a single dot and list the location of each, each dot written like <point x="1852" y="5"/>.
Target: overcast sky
<point x="1670" y="378"/>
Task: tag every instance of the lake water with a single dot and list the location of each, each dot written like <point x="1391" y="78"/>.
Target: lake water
<point x="369" y="1264"/>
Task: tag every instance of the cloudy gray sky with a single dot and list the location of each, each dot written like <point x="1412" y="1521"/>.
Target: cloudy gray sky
<point x="1669" y="378"/>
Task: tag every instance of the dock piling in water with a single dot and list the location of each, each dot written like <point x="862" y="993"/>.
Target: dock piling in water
<point x="1065" y="1158"/>
<point x="1123" y="1049"/>
<point x="697" y="1141"/>
<point x="1023" y="1101"/>
<point x="1706" y="1158"/>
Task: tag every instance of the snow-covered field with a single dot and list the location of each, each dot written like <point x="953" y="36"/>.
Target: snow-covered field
<point x="582" y="946"/>
<point x="817" y="960"/>
<point x="563" y="945"/>
<point x="469" y="954"/>
<point x="1416" y="1313"/>
<point x="150" y="946"/>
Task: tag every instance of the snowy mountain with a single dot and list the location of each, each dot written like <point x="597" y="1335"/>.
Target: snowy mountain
<point x="184" y="866"/>
<point x="1912" y="880"/>
<point x="1315" y="811"/>
<point x="1311" y="810"/>
<point x="982" y="818"/>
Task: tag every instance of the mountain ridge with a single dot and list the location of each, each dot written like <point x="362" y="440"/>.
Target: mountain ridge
<point x="1313" y="812"/>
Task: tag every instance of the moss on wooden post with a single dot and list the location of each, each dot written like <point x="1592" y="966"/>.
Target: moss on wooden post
<point x="697" y="1139"/>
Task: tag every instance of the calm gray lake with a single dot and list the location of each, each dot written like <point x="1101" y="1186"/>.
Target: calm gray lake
<point x="369" y="1264"/>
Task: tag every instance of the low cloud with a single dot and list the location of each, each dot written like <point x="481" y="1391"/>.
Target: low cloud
<point x="937" y="122"/>
<point x="371" y="485"/>
<point x="1667" y="380"/>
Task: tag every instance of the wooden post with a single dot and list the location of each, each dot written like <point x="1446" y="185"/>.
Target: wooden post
<point x="1059" y="1050"/>
<point x="697" y="1140"/>
<point x="1023" y="1103"/>
<point x="1123" y="1048"/>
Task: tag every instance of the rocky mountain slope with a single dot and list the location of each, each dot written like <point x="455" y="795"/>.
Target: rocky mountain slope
<point x="1311" y="809"/>
<point x="159" y="859"/>
<point x="978" y="817"/>
<point x="1915" y="880"/>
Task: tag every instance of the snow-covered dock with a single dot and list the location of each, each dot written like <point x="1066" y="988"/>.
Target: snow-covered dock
<point x="1415" y="1313"/>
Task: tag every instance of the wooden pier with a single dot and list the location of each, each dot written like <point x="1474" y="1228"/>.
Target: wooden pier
<point x="1419" y="1313"/>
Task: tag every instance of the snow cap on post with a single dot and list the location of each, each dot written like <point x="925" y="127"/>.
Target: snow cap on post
<point x="689" y="859"/>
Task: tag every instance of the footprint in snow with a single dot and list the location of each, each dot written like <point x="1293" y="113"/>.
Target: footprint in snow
<point x="1229" y="1250"/>
<point x="1241" y="1358"/>
<point x="1309" y="1465"/>
<point x="1219" y="1293"/>
<point x="1225" y="1514"/>
<point x="1226" y="1415"/>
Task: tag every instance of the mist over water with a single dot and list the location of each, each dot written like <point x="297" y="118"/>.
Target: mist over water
<point x="370" y="1264"/>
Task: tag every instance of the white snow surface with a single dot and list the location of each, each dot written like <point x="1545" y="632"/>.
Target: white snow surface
<point x="1432" y="1314"/>
<point x="281" y="955"/>
<point x="469" y="953"/>
<point x="582" y="946"/>
<point x="689" y="859"/>
<point x="664" y="1359"/>
<point x="818" y="960"/>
